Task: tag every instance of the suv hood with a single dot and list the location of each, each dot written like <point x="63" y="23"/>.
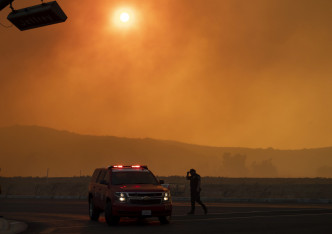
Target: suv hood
<point x="141" y="188"/>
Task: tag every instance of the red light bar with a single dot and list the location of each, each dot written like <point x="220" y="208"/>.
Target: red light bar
<point x="133" y="166"/>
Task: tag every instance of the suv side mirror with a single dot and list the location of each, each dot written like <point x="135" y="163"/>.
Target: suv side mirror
<point x="103" y="182"/>
<point x="161" y="182"/>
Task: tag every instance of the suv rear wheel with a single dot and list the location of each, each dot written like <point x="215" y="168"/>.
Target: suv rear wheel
<point x="93" y="212"/>
<point x="110" y="219"/>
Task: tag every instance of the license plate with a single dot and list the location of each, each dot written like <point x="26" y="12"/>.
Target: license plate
<point x="146" y="212"/>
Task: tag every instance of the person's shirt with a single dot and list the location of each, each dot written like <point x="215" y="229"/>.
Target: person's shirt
<point x="194" y="181"/>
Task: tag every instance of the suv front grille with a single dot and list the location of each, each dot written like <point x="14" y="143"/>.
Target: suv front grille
<point x="145" y="202"/>
<point x="145" y="198"/>
<point x="145" y="194"/>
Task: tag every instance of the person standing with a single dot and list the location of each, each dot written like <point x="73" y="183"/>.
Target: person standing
<point x="195" y="190"/>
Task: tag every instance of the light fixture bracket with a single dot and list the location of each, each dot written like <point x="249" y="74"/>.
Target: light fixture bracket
<point x="37" y="16"/>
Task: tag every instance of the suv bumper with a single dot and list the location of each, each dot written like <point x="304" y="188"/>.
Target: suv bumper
<point x="127" y="210"/>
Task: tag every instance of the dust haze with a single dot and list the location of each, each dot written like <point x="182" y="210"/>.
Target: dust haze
<point x="229" y="73"/>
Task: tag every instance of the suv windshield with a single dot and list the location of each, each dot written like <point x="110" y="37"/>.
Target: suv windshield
<point x="133" y="177"/>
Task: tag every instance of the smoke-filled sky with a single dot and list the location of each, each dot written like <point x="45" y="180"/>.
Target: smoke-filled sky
<point x="242" y="73"/>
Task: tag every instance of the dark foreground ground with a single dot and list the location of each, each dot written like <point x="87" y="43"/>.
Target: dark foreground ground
<point x="70" y="216"/>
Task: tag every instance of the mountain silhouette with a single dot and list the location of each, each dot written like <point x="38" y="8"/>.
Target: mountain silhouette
<point x="32" y="150"/>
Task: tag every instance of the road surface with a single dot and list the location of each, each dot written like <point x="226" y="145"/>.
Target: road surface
<point x="70" y="216"/>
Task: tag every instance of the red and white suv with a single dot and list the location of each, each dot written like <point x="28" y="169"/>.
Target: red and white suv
<point x="128" y="191"/>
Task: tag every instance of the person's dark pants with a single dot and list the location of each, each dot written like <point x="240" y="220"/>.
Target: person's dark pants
<point x="196" y="197"/>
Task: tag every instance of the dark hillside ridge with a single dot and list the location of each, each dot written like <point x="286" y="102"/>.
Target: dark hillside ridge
<point x="30" y="150"/>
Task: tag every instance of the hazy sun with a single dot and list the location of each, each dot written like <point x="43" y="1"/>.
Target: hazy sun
<point x="124" y="17"/>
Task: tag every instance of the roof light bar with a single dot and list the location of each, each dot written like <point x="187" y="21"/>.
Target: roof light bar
<point x="133" y="166"/>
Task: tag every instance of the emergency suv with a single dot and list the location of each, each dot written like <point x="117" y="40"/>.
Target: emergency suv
<point x="128" y="191"/>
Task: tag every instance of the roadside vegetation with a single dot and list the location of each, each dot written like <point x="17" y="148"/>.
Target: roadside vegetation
<point x="212" y="187"/>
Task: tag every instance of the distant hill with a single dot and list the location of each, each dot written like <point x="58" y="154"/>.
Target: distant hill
<point x="30" y="150"/>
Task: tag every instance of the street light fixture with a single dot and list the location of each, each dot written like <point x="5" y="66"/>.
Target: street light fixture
<point x="35" y="16"/>
<point x="4" y="3"/>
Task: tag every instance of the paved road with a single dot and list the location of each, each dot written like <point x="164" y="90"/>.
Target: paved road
<point x="70" y="216"/>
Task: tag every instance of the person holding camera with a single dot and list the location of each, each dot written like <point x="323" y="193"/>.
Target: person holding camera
<point x="195" y="190"/>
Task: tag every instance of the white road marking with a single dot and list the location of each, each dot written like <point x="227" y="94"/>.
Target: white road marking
<point x="247" y="217"/>
<point x="49" y="230"/>
<point x="252" y="212"/>
<point x="14" y="222"/>
<point x="82" y="226"/>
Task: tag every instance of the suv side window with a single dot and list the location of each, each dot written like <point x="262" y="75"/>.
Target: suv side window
<point x="107" y="176"/>
<point x="101" y="176"/>
<point x="95" y="175"/>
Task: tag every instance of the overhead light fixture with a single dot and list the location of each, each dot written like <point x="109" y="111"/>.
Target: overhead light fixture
<point x="4" y="3"/>
<point x="37" y="16"/>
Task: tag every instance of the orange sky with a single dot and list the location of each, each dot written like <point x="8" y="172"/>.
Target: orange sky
<point x="225" y="73"/>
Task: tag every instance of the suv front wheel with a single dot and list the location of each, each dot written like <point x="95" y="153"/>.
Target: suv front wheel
<point x="93" y="212"/>
<point x="110" y="219"/>
<point x="164" y="219"/>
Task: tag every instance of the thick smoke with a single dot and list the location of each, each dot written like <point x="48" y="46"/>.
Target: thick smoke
<point x="227" y="73"/>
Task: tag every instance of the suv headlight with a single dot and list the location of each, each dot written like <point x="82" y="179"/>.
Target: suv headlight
<point x="167" y="196"/>
<point x="122" y="197"/>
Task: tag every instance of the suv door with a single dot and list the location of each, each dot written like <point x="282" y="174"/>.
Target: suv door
<point x="104" y="185"/>
<point x="99" y="196"/>
<point x="93" y="188"/>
